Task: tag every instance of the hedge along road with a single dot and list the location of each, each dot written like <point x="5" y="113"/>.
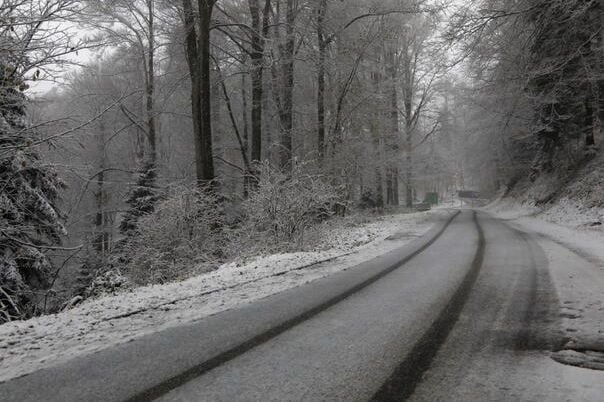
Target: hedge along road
<point x="368" y="332"/>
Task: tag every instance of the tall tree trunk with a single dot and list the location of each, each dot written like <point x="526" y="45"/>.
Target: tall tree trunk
<point x="393" y="143"/>
<point x="395" y="189"/>
<point x="409" y="168"/>
<point x="265" y="127"/>
<point x="408" y="101"/>
<point x="150" y="85"/>
<point x="260" y="30"/>
<point x="378" y="182"/>
<point x="206" y="160"/>
<point x="408" y="92"/>
<point x="197" y="44"/>
<point x="192" y="54"/>
<point x="287" y="86"/>
<point x="244" y="116"/>
<point x="245" y="145"/>
<point x="336" y="131"/>
<point x="101" y="238"/>
<point x="322" y="44"/>
<point x="99" y="219"/>
<point x="599" y="85"/>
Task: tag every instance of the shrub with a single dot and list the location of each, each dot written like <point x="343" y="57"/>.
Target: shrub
<point x="182" y="236"/>
<point x="282" y="206"/>
<point x="108" y="282"/>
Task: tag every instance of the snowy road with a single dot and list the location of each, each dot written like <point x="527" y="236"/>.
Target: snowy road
<point x="468" y="312"/>
<point x="500" y="348"/>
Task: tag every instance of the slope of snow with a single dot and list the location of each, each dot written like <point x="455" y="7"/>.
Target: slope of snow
<point x="99" y="323"/>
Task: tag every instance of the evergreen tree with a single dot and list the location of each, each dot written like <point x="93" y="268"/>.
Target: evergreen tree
<point x="142" y="198"/>
<point x="30" y="223"/>
<point x="564" y="76"/>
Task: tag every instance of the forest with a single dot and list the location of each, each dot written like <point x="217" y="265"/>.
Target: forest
<point x="148" y="141"/>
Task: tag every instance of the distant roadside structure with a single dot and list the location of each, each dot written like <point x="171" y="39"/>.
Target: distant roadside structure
<point x="468" y="194"/>
<point x="471" y="197"/>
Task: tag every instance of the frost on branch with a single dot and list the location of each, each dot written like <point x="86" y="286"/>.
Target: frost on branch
<point x="29" y="219"/>
<point x="282" y="206"/>
<point x="183" y="235"/>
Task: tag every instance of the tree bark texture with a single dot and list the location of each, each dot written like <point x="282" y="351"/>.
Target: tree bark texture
<point x="322" y="44"/>
<point x="286" y="113"/>
<point x="197" y="43"/>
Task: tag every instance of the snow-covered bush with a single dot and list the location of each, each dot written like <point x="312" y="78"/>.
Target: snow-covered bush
<point x="183" y="236"/>
<point x="108" y="282"/>
<point x="283" y="205"/>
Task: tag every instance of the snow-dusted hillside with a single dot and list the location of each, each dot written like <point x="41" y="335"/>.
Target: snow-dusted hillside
<point x="574" y="198"/>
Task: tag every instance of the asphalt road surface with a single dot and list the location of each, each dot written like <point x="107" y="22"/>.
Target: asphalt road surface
<point x="466" y="313"/>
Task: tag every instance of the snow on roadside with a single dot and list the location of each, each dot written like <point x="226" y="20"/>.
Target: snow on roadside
<point x="572" y="213"/>
<point x="566" y="222"/>
<point x="564" y="212"/>
<point x="575" y="252"/>
<point x="99" y="323"/>
<point x="511" y="209"/>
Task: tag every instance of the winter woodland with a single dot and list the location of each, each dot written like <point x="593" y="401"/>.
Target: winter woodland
<point x="149" y="141"/>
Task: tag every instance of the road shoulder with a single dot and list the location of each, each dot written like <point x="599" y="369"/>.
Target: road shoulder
<point x="576" y="264"/>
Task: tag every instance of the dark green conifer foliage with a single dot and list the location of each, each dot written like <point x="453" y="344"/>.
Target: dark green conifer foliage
<point x="30" y="222"/>
<point x="142" y="198"/>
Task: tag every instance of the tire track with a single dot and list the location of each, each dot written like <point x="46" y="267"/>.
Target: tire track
<point x="408" y="374"/>
<point x="205" y="366"/>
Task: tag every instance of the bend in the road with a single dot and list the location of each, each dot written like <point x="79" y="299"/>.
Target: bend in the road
<point x="203" y="367"/>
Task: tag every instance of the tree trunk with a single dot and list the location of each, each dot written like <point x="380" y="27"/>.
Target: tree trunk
<point x="322" y="43"/>
<point x="393" y="143"/>
<point x="396" y="200"/>
<point x="589" y="123"/>
<point x="245" y="145"/>
<point x="409" y="169"/>
<point x="205" y="172"/>
<point x="192" y="54"/>
<point x="150" y="86"/>
<point x="101" y="238"/>
<point x="197" y="44"/>
<point x="408" y="90"/>
<point x="287" y="86"/>
<point x="244" y="116"/>
<point x="408" y="149"/>
<point x="599" y="86"/>
<point x="257" y="58"/>
<point x="389" y="187"/>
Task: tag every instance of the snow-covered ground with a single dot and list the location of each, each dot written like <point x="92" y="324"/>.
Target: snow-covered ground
<point x="574" y="247"/>
<point x="100" y="323"/>
<point x="565" y="212"/>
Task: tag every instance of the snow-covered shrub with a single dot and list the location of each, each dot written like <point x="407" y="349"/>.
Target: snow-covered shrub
<point x="108" y="282"/>
<point x="283" y="205"/>
<point x="183" y="236"/>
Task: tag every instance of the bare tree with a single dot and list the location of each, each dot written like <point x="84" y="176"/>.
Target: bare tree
<point x="260" y="32"/>
<point x="197" y="31"/>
